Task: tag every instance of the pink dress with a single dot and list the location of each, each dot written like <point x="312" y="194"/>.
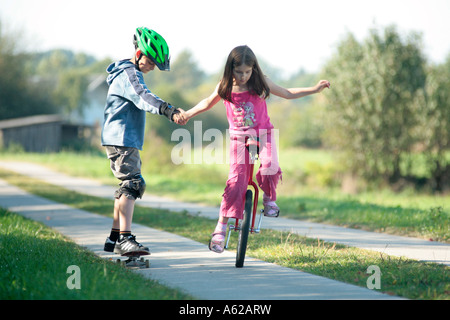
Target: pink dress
<point x="247" y="115"/>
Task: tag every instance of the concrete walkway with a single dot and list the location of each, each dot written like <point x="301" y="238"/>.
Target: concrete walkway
<point x="413" y="248"/>
<point x="188" y="265"/>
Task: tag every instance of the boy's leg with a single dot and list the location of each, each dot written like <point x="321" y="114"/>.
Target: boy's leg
<point x="123" y="214"/>
<point x="110" y="243"/>
<point x="125" y="208"/>
<point x="126" y="166"/>
<point x="115" y="230"/>
<point x="116" y="217"/>
<point x="127" y="242"/>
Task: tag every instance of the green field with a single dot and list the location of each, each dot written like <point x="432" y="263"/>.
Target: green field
<point x="402" y="277"/>
<point x="302" y="194"/>
<point x="34" y="264"/>
<point x="409" y="213"/>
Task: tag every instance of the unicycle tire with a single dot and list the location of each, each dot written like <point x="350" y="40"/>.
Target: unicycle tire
<point x="244" y="230"/>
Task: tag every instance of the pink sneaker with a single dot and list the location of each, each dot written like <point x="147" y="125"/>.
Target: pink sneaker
<point x="271" y="209"/>
<point x="217" y="242"/>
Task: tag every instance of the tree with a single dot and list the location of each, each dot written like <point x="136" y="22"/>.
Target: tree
<point x="184" y="73"/>
<point x="66" y="75"/>
<point x="434" y="127"/>
<point x="70" y="90"/>
<point x="371" y="105"/>
<point x="20" y="95"/>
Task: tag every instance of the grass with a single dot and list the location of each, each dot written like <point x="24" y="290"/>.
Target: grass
<point x="408" y="213"/>
<point x="407" y="278"/>
<point x="430" y="224"/>
<point x="400" y="277"/>
<point x="34" y="266"/>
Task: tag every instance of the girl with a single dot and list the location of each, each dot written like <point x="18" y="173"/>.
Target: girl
<point x="244" y="89"/>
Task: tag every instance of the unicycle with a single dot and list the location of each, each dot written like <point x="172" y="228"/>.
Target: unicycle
<point x="247" y="224"/>
<point x="244" y="230"/>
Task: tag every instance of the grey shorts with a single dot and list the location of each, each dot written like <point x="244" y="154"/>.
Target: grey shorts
<point x="126" y="166"/>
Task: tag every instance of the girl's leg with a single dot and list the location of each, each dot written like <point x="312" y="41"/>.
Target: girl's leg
<point x="269" y="174"/>
<point x="232" y="205"/>
<point x="223" y="220"/>
<point x="217" y="243"/>
<point x="221" y="228"/>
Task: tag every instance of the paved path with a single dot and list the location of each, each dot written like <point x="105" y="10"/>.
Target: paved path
<point x="182" y="263"/>
<point x="412" y="248"/>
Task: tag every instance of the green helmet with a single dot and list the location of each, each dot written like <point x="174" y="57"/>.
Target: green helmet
<point x="153" y="46"/>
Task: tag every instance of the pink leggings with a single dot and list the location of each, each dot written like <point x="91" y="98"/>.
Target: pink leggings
<point x="267" y="177"/>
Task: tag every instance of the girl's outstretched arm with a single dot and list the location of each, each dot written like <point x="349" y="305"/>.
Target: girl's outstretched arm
<point x="295" y="93"/>
<point x="203" y="105"/>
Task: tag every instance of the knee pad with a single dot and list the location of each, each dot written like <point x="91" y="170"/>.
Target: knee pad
<point x="132" y="188"/>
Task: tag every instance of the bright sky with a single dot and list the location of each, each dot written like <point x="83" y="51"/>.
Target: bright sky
<point x="289" y="34"/>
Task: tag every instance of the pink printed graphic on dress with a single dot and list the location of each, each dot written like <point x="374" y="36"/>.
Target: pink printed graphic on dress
<point x="244" y="115"/>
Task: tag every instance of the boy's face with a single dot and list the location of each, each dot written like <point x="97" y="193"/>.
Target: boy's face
<point x="145" y="64"/>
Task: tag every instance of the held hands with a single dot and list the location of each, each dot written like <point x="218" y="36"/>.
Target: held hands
<point x="180" y="117"/>
<point x="322" y="85"/>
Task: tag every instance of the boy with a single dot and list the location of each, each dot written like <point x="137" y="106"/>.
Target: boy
<point x="127" y="102"/>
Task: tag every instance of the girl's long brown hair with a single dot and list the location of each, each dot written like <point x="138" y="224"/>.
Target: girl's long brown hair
<point x="256" y="84"/>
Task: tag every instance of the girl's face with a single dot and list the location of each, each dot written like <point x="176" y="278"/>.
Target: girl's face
<point x="242" y="74"/>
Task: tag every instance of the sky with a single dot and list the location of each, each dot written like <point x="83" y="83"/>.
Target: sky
<point x="288" y="34"/>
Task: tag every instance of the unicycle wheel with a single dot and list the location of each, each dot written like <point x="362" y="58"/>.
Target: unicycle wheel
<point x="244" y="230"/>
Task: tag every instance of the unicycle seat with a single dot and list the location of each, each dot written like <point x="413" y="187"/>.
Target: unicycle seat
<point x="252" y="145"/>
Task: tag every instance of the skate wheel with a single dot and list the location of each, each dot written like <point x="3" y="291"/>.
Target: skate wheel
<point x="147" y="264"/>
<point x="142" y="259"/>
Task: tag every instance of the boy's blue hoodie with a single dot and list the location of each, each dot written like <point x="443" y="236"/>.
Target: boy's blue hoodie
<point x="127" y="102"/>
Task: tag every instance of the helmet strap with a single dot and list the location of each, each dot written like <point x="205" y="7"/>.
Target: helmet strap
<point x="138" y="56"/>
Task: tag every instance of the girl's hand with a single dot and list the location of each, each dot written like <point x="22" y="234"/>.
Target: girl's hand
<point x="322" y="85"/>
<point x="180" y="118"/>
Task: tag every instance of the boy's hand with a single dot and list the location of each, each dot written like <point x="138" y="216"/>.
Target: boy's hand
<point x="179" y="117"/>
